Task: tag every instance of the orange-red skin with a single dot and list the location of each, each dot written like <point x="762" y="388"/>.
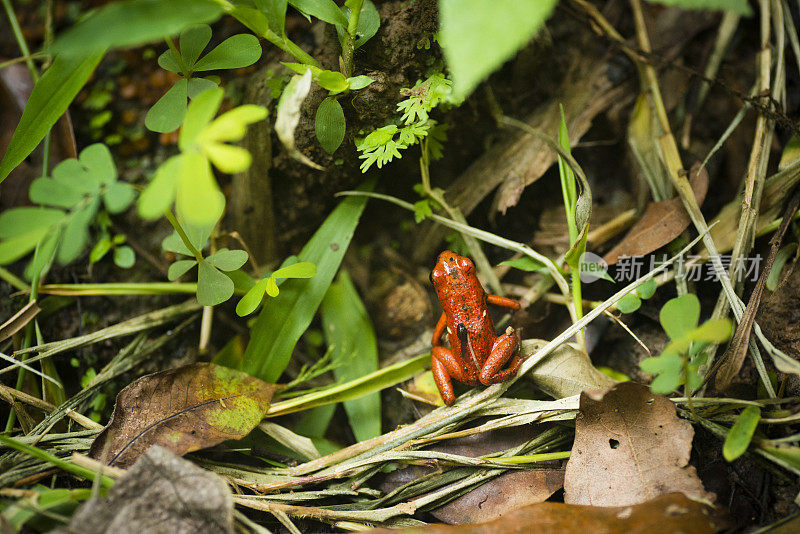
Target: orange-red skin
<point x="483" y="359"/>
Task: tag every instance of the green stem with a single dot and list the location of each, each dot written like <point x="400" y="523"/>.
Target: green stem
<point x="531" y="458"/>
<point x="23" y="46"/>
<point x="45" y="456"/>
<point x="350" y="45"/>
<point x="178" y="228"/>
<point x="15" y="282"/>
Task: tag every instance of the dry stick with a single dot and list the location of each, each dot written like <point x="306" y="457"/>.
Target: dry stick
<point x="731" y="361"/>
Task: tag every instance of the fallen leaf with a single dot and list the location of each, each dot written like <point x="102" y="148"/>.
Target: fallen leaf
<point x="288" y="115"/>
<point x="566" y="371"/>
<point x="19" y="320"/>
<point x="778" y="314"/>
<point x="660" y="223"/>
<point x="629" y="447"/>
<point x="667" y="513"/>
<point x="160" y="493"/>
<point x="182" y="409"/>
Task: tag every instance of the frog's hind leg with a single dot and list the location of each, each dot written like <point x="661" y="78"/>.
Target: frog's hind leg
<point x="445" y="368"/>
<point x="505" y="346"/>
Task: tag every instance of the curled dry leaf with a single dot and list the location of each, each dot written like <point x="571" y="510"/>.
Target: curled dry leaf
<point x="160" y="493"/>
<point x="667" y="513"/>
<point x="184" y="409"/>
<point x="566" y="371"/>
<point x="629" y="447"/>
<point x="660" y="223"/>
<point x="289" y="115"/>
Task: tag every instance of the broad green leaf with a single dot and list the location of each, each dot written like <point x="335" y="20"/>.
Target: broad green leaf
<point x="478" y="36"/>
<point x="712" y="331"/>
<point x="629" y="303"/>
<point x="124" y="257"/>
<point x="198" y="85"/>
<point x="174" y="243"/>
<point x="359" y="82"/>
<point x="118" y="197"/>
<point x="227" y="260"/>
<point x="192" y="43"/>
<point x="288" y="115"/>
<point x="21" y="221"/>
<point x="232" y="125"/>
<point x="781" y="258"/>
<point x="198" y="115"/>
<point x="326" y="10"/>
<point x="525" y="263"/>
<point x="275" y="11"/>
<point x="179" y="268"/>
<point x="134" y="22"/>
<point x="680" y="315"/>
<point x="251" y="299"/>
<point x="741" y="433"/>
<point x="272" y="287"/>
<point x="75" y="235"/>
<point x="97" y="161"/>
<point x="229" y="159"/>
<point x="330" y="124"/>
<point x="333" y="81"/>
<point x="350" y="335"/>
<point x="252" y="18"/>
<point x="213" y="287"/>
<point x="18" y="246"/>
<point x="168" y="112"/>
<point x="167" y="61"/>
<point x="737" y="6"/>
<point x="302" y="68"/>
<point x="369" y="20"/>
<point x="198" y="200"/>
<point x="160" y="192"/>
<point x="668" y="366"/>
<point x="301" y="269"/>
<point x="284" y="319"/>
<point x="49" y="99"/>
<point x="647" y="289"/>
<point x="199" y="234"/>
<point x="54" y="192"/>
<point x="234" y="52"/>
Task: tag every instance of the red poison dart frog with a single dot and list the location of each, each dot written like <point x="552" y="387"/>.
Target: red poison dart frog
<point x="477" y="355"/>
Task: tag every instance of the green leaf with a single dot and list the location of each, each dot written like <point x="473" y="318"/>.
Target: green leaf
<point x="326" y="10"/>
<point x="213" y="287"/>
<point x="272" y="287"/>
<point x="118" y="197"/>
<point x="359" y="82"/>
<point x="333" y="81"/>
<point x="124" y="257"/>
<point x="76" y="233"/>
<point x="302" y="269"/>
<point x="302" y="68"/>
<point x="477" y="36"/>
<point x="198" y="115"/>
<point x="20" y="221"/>
<point x="227" y="260"/>
<point x="629" y="303"/>
<point x="525" y="263"/>
<point x="275" y="11"/>
<point x="232" y="125"/>
<point x="351" y="337"/>
<point x="160" y="192"/>
<point x="49" y="99"/>
<point x="167" y="61"/>
<point x="250" y="301"/>
<point x="422" y="210"/>
<point x="330" y="124"/>
<point x="18" y="246"/>
<point x="680" y="315"/>
<point x="736" y="6"/>
<point x="134" y="22"/>
<point x="97" y="161"/>
<point x="781" y="258"/>
<point x="369" y="20"/>
<point x="668" y="366"/>
<point x="741" y="433"/>
<point x="198" y="85"/>
<point x="711" y="331"/>
<point x="44" y="254"/>
<point x="99" y="250"/>
<point x="647" y="289"/>
<point x="234" y="52"/>
<point x="192" y="43"/>
<point x="229" y="159"/>
<point x="281" y="323"/>
<point x="179" y="268"/>
<point x="198" y="199"/>
<point x="59" y="193"/>
<point x="168" y="112"/>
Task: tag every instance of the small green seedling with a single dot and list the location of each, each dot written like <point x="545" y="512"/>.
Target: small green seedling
<point x="68" y="203"/>
<point x="741" y="433"/>
<point x="269" y="285"/>
<point x="214" y="286"/>
<point x="124" y="257"/>
<point x="681" y="359"/>
<point x="632" y="301"/>
<point x="235" y="52"/>
<point x="187" y="178"/>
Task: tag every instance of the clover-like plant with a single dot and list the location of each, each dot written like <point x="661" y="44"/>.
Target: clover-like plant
<point x="187" y="178"/>
<point x="269" y="284"/>
<point x="234" y="52"/>
<point x="681" y="359"/>
<point x="213" y="285"/>
<point x="68" y="203"/>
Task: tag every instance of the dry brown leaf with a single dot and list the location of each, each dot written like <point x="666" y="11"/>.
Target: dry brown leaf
<point x="778" y="314"/>
<point x="160" y="493"/>
<point x="660" y="223"/>
<point x="182" y="409"/>
<point x="667" y="513"/>
<point x="629" y="447"/>
<point x="566" y="371"/>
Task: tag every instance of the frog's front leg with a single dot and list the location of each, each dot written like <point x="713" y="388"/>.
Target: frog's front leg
<point x="504" y="347"/>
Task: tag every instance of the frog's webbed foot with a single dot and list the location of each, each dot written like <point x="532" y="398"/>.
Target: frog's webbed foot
<point x="504" y="347"/>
